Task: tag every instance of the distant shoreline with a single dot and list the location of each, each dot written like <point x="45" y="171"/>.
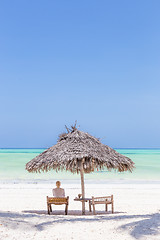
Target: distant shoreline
<point x="76" y="181"/>
<point x="13" y="162"/>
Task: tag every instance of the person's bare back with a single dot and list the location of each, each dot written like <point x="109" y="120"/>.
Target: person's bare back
<point x="58" y="192"/>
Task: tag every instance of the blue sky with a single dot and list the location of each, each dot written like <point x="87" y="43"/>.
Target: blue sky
<point x="97" y="62"/>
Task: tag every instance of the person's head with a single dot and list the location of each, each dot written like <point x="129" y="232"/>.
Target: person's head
<point x="58" y="184"/>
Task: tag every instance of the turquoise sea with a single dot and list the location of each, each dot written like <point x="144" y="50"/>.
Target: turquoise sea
<point x="12" y="167"/>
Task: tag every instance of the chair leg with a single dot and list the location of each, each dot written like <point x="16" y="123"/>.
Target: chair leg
<point x="90" y="207"/>
<point x="106" y="207"/>
<point x="66" y="209"/>
<point x="94" y="212"/>
<point x="112" y="208"/>
<point x="48" y="208"/>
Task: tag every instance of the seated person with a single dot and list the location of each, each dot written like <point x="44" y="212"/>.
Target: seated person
<point x="58" y="192"/>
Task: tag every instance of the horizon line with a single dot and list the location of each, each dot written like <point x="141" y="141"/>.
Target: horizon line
<point x="113" y="147"/>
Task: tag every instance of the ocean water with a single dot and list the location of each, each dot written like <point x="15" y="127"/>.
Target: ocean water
<point x="12" y="167"/>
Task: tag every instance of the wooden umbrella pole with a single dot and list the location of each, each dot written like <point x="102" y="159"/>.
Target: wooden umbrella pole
<point x="82" y="186"/>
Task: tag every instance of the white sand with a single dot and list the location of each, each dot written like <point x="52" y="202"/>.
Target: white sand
<point x="23" y="213"/>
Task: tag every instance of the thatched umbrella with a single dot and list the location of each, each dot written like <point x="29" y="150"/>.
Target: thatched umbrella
<point x="79" y="152"/>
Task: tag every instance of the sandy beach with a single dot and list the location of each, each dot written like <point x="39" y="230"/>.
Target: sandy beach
<point x="23" y="213"/>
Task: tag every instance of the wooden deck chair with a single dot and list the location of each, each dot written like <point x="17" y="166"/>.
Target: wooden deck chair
<point x="57" y="201"/>
<point x="101" y="200"/>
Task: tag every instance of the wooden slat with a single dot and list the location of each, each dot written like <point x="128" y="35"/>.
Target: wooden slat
<point x="102" y="197"/>
<point x="56" y="200"/>
<point x="102" y="202"/>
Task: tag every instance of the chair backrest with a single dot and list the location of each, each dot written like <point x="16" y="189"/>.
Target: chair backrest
<point x="102" y="199"/>
<point x="56" y="200"/>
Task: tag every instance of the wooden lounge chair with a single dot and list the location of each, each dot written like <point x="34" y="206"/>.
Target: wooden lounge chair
<point x="57" y="201"/>
<point x="101" y="200"/>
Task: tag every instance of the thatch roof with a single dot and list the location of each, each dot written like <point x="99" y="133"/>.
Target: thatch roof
<point x="74" y="147"/>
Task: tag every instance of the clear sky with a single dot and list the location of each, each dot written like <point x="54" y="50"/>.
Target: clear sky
<point x="97" y="62"/>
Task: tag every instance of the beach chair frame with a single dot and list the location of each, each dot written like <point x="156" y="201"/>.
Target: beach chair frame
<point x="57" y="201"/>
<point x="101" y="200"/>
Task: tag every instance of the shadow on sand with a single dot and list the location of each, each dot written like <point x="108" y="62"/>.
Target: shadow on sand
<point x="70" y="213"/>
<point x="141" y="225"/>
